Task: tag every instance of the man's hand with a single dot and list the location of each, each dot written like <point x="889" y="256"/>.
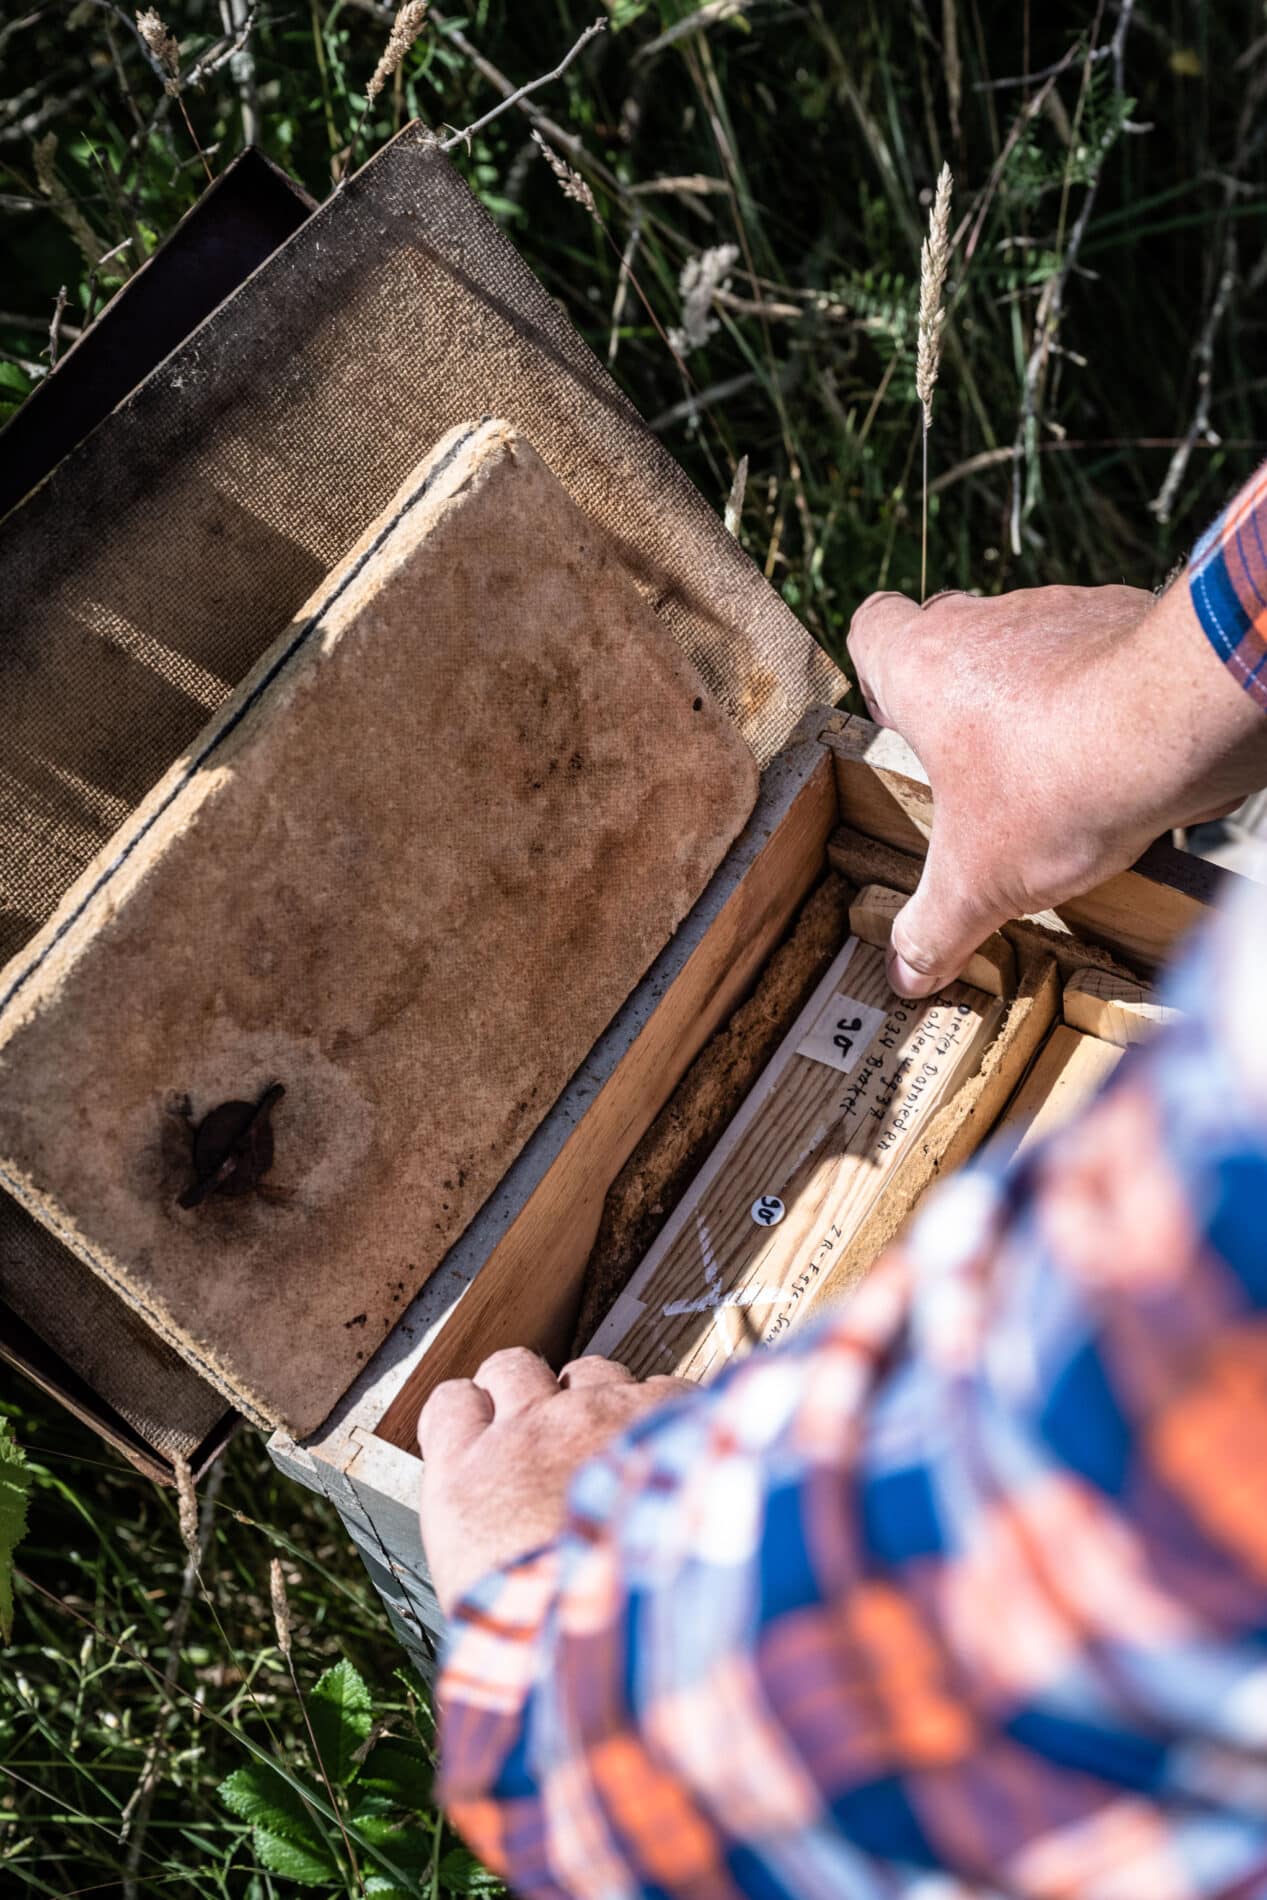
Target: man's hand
<point x="501" y="1450"/>
<point x="1062" y="730"/>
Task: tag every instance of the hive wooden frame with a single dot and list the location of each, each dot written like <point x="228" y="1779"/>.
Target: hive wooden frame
<point x="841" y="792"/>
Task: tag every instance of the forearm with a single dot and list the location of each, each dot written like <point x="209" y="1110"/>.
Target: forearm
<point x="968" y="1580"/>
<point x="1171" y="734"/>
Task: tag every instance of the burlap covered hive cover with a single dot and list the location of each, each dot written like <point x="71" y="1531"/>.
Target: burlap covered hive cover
<point x="410" y="872"/>
<point x="146" y="576"/>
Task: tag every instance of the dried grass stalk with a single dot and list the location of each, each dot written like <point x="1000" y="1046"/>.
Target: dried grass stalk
<point x="55" y="328"/>
<point x="281" y="1606"/>
<point x="953" y="65"/>
<point x="510" y="99"/>
<point x="162" y="46"/>
<point x="701" y="279"/>
<point x="44" y="158"/>
<point x="934" y="259"/>
<point x="571" y="184"/>
<point x="734" y="505"/>
<point x="284" y="1627"/>
<point x="163" y="49"/>
<point x="187" y="1511"/>
<point x="406" y="27"/>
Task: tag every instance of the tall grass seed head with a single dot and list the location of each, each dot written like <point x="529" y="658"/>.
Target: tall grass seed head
<point x="933" y="262"/>
<point x="187" y="1509"/>
<point x="161" y="44"/>
<point x="281" y="1605"/>
<point x="406" y="27"/>
<point x="702" y="277"/>
<point x="571" y="184"/>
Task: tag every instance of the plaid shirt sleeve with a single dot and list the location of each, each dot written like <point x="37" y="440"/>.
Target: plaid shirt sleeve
<point x="964" y="1592"/>
<point x="1227" y="580"/>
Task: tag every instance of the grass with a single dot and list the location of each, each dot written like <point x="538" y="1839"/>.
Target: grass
<point x="1109" y="247"/>
<point x="102" y="1583"/>
<point x="1095" y="212"/>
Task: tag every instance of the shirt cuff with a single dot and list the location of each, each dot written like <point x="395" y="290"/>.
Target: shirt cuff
<point x="1227" y="581"/>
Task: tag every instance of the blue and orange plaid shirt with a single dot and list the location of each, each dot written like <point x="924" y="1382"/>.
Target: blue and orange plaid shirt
<point x="1228" y="584"/>
<point x="964" y="1592"/>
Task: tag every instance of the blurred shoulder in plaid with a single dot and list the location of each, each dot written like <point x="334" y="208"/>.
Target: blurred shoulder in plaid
<point x="963" y="1593"/>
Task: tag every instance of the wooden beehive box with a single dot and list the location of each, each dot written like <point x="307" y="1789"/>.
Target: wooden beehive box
<point x="842" y="795"/>
<point x="159" y="1409"/>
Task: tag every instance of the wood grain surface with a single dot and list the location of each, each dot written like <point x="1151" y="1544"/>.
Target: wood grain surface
<point x="1113" y="1009"/>
<point x="775" y="1209"/>
<point x="1069" y="1069"/>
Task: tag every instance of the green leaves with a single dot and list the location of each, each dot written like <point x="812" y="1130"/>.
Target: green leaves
<point x="15" y="1485"/>
<point x="399" y="1773"/>
<point x="15" y="387"/>
<point x="288" y="1835"/>
<point x="461" y="1873"/>
<point x="383" y="1790"/>
<point x="625" y="12"/>
<point x="339" y="1710"/>
<point x="291" y="1838"/>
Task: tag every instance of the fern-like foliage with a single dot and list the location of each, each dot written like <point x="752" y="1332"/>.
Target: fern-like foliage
<point x="1042" y="160"/>
<point x="884" y="304"/>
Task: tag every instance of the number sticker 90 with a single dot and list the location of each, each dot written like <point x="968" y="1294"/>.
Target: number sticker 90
<point x="844" y="1031"/>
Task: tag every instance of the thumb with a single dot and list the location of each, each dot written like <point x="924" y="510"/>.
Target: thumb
<point x="936" y="932"/>
<point x="878" y="633"/>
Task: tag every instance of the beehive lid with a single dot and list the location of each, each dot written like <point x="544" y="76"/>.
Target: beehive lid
<point x="240" y="219"/>
<point x="58" y="1323"/>
<point x="407" y="877"/>
<point x="149" y="572"/>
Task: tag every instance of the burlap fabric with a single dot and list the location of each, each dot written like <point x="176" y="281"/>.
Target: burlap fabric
<point x="145" y="577"/>
<point x="110" y="1345"/>
<point x="238" y="222"/>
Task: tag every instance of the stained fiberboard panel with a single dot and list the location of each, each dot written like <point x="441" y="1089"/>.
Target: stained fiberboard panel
<point x="481" y="847"/>
<point x="782" y="1204"/>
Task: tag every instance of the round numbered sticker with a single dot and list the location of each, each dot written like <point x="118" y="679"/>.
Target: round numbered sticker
<point x="768" y="1211"/>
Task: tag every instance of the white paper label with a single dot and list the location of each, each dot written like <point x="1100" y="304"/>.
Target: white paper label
<point x="843" y="1033"/>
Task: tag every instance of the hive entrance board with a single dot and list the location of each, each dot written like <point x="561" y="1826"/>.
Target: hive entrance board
<point x="779" y="1205"/>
